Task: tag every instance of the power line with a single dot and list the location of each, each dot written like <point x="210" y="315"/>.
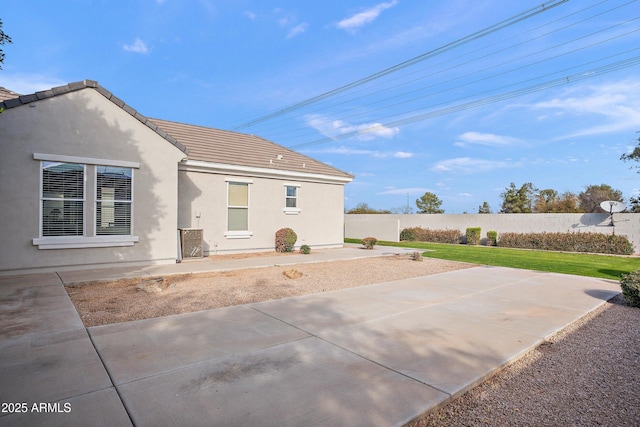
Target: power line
<point x="452" y="45"/>
<point x="485" y="101"/>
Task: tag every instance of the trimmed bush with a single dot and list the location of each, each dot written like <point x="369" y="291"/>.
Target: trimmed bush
<point x="492" y="238"/>
<point x="630" y="284"/>
<point x="568" y="242"/>
<point x="369" y="242"/>
<point x="473" y="235"/>
<point x="305" y="249"/>
<point x="408" y="234"/>
<point x="419" y="234"/>
<point x="285" y="240"/>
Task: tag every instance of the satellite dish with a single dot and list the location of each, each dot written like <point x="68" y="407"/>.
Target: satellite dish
<point x="612" y="206"/>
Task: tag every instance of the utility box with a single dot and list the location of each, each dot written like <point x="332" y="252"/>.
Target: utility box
<point x="191" y="242"/>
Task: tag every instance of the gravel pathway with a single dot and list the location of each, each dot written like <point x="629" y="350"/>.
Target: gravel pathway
<point x="586" y="375"/>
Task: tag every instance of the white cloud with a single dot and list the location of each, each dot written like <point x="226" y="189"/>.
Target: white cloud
<point x="251" y="15"/>
<point x="359" y="152"/>
<point x="365" y="17"/>
<point x="363" y="132"/>
<point x="25" y="84"/>
<point x="467" y="165"/>
<point x="138" y="46"/>
<point x="298" y="29"/>
<point x="617" y="103"/>
<point x="465" y="194"/>
<point x="488" y="139"/>
<point x="410" y="190"/>
<point x="402" y="155"/>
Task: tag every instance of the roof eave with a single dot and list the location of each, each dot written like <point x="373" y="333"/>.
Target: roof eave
<point x="236" y="170"/>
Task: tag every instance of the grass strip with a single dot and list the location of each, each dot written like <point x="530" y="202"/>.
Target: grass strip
<point x="591" y="265"/>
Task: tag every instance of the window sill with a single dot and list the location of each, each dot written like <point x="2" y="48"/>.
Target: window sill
<point x="80" y="242"/>
<point x="291" y="211"/>
<point x="238" y="234"/>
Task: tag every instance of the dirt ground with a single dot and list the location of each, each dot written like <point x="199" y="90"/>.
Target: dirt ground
<point x="101" y="303"/>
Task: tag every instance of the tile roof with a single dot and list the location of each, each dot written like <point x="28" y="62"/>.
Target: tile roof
<point x="19" y="100"/>
<point x="233" y="148"/>
<point x="7" y="94"/>
<point x="200" y="143"/>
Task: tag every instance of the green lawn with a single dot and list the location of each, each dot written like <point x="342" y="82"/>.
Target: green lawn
<point x="602" y="266"/>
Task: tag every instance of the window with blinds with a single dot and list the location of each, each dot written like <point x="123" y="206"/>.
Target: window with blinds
<point x="113" y="200"/>
<point x="238" y="207"/>
<point x="62" y="199"/>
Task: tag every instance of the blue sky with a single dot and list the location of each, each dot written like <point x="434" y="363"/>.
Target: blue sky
<point x="553" y="99"/>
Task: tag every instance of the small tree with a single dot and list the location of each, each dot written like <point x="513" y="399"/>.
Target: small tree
<point x="518" y="200"/>
<point x="633" y="156"/>
<point x="363" y="208"/>
<point x="593" y="195"/>
<point x="4" y="38"/>
<point x="484" y="208"/>
<point x="429" y="203"/>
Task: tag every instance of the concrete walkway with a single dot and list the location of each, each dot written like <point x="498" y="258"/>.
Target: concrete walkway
<point x="377" y="355"/>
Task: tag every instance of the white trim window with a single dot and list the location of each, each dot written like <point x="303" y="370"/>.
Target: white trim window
<point x="65" y="213"/>
<point x="62" y="199"/>
<point x="291" y="199"/>
<point x="238" y="209"/>
<point x="114" y="199"/>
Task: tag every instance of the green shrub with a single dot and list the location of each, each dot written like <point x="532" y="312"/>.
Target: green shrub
<point x="568" y="242"/>
<point x="369" y="242"/>
<point x="473" y="235"/>
<point x="305" y="249"/>
<point x="408" y="234"/>
<point x="285" y="240"/>
<point x="419" y="234"/>
<point x="630" y="284"/>
<point x="492" y="238"/>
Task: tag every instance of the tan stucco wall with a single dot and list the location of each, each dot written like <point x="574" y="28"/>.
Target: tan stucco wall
<point x="319" y="223"/>
<point x="388" y="227"/>
<point x="84" y="124"/>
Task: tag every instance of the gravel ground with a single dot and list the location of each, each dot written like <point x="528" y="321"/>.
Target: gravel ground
<point x="101" y="303"/>
<point x="588" y="374"/>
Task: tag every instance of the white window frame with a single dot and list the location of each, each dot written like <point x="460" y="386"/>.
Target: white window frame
<point x="296" y="210"/>
<point x="239" y="234"/>
<point x="84" y="241"/>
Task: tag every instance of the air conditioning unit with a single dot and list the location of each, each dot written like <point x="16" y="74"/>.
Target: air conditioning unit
<point x="191" y="242"/>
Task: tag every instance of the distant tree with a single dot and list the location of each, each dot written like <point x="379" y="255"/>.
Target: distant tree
<point x="545" y="201"/>
<point x="429" y="203"/>
<point x="363" y="208"/>
<point x="4" y="38"/>
<point x="484" y="208"/>
<point x="567" y="203"/>
<point x="634" y="156"/>
<point x="404" y="210"/>
<point x="635" y="204"/>
<point x="518" y="200"/>
<point x="593" y="195"/>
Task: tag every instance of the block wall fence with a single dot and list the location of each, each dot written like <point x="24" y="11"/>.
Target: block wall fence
<point x="388" y="227"/>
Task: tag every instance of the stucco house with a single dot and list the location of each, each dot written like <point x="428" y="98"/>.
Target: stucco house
<point x="87" y="181"/>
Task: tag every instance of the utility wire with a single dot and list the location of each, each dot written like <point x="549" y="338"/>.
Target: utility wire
<point x="484" y="101"/>
<point x="460" y="42"/>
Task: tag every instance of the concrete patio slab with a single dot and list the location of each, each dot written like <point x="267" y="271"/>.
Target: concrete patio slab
<point x="101" y="274"/>
<point x="36" y="309"/>
<point x="144" y="348"/>
<point x="305" y="382"/>
<point x="443" y="350"/>
<point x="102" y="408"/>
<point x="28" y="280"/>
<point x="374" y="355"/>
<point x="50" y="367"/>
